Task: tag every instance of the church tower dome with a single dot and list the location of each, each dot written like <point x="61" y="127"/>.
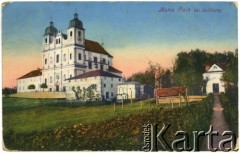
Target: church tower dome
<point x="51" y="30"/>
<point x="75" y="22"/>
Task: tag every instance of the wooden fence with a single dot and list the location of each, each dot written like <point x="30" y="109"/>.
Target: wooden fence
<point x="178" y="99"/>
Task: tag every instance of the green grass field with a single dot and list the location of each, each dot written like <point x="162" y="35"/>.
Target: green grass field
<point x="44" y="124"/>
<point x="27" y="115"/>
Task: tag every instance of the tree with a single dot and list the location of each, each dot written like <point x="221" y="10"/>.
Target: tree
<point x="78" y="92"/>
<point x="31" y="87"/>
<point x="7" y="91"/>
<point x="43" y="86"/>
<point x="167" y="79"/>
<point x="148" y="76"/>
<point x="230" y="76"/>
<point x="90" y="92"/>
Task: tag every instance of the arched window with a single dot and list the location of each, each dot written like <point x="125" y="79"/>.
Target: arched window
<point x="71" y="33"/>
<point x="57" y="58"/>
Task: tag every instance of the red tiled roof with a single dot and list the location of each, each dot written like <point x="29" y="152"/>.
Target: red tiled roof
<point x="167" y="92"/>
<point x="33" y="73"/>
<point x="93" y="74"/>
<point x="114" y="70"/>
<point x="95" y="47"/>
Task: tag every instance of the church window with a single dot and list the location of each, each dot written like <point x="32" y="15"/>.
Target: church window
<point x="95" y="59"/>
<point x="64" y="57"/>
<point x="71" y="33"/>
<point x="79" y="33"/>
<point x="45" y="40"/>
<point x="104" y="61"/>
<point x="45" y="61"/>
<point x="89" y="65"/>
<point x="104" y="85"/>
<point x="57" y="58"/>
<point x="79" y="56"/>
<point x="45" y="81"/>
<point x="59" y="40"/>
<point x="70" y="55"/>
<point x="119" y="79"/>
<point x="50" y="79"/>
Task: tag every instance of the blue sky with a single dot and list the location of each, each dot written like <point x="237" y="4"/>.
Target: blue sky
<point x="127" y="28"/>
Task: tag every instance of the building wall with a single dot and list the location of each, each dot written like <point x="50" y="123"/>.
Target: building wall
<point x="128" y="91"/>
<point x="214" y="78"/>
<point x="103" y="84"/>
<point x="22" y="84"/>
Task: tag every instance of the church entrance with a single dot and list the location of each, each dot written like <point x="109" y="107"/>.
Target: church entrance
<point x="57" y="87"/>
<point x="215" y="88"/>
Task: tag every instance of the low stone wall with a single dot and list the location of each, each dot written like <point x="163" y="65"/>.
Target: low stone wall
<point x="40" y="95"/>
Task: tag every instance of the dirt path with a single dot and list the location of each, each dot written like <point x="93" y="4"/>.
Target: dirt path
<point x="219" y="124"/>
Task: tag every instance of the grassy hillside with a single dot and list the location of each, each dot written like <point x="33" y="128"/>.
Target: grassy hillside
<point x="27" y="115"/>
<point x="69" y="127"/>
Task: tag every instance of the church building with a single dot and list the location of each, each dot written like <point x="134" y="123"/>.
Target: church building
<point x="213" y="81"/>
<point x="67" y="56"/>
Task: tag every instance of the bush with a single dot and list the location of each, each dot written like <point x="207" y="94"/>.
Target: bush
<point x="230" y="105"/>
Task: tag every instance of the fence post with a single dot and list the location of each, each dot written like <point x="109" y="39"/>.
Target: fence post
<point x="171" y="102"/>
<point x="122" y="103"/>
<point x="179" y="101"/>
<point x="149" y="102"/>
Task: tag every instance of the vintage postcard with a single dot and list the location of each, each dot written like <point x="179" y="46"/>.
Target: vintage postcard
<point x="120" y="76"/>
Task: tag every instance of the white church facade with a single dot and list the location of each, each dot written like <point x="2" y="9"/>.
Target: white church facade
<point x="67" y="56"/>
<point x="213" y="81"/>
